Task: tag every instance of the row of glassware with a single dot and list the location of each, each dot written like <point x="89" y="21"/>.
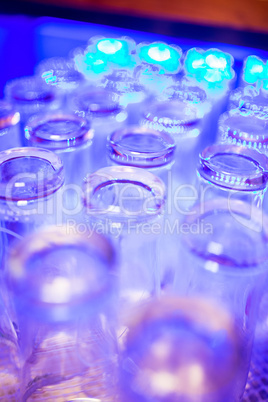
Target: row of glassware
<point x="147" y="286"/>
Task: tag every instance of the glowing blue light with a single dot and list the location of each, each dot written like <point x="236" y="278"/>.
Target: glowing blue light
<point x="104" y="55"/>
<point x="165" y="57"/>
<point x="213" y="65"/>
<point x="159" y="54"/>
<point x="109" y="46"/>
<point x="216" y="62"/>
<point x="255" y="70"/>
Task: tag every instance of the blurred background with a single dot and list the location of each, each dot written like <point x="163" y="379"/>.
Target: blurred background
<point x="249" y="15"/>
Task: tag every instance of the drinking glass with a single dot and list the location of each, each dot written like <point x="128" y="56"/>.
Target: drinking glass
<point x="106" y="115"/>
<point x="9" y="356"/>
<point x="244" y="127"/>
<point x="144" y="148"/>
<point x="249" y="97"/>
<point x="63" y="285"/>
<point x="128" y="204"/>
<point x="223" y="255"/>
<point x="9" y="126"/>
<point x="69" y="136"/>
<point x="30" y="192"/>
<point x="179" y="349"/>
<point x="234" y="172"/>
<point x="29" y="95"/>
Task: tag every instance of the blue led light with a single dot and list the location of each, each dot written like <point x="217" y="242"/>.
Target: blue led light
<point x="213" y="65"/>
<point x="106" y="54"/>
<point x="109" y="46"/>
<point x="255" y="70"/>
<point x="165" y="57"/>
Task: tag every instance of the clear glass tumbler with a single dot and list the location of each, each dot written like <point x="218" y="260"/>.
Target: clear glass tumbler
<point x="30" y="95"/>
<point x="179" y="349"/>
<point x="9" y="357"/>
<point x="183" y="121"/>
<point x="63" y="285"/>
<point x="144" y="148"/>
<point x="138" y="146"/>
<point x="106" y="115"/>
<point x="233" y="172"/>
<point x="69" y="136"/>
<point x="132" y="94"/>
<point x="30" y="184"/>
<point x="9" y="126"/>
<point x="244" y="127"/>
<point x="60" y="72"/>
<point x="249" y="97"/>
<point x="128" y="204"/>
<point x="223" y="255"/>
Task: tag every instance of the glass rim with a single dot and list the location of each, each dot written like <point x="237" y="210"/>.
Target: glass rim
<point x="181" y="127"/>
<point x="47" y="187"/>
<point x="182" y="90"/>
<point x="123" y="155"/>
<point x="242" y="208"/>
<point x="243" y="99"/>
<point x="112" y="107"/>
<point x="9" y="116"/>
<point x="66" y="65"/>
<point x="241" y="134"/>
<point x="230" y="180"/>
<point x="183" y="307"/>
<point x="84" y="134"/>
<point x="52" y="238"/>
<point x="126" y="175"/>
<point x="49" y="94"/>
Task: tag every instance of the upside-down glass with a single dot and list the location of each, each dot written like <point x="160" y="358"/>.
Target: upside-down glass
<point x="106" y="115"/>
<point x="182" y="120"/>
<point x="234" y="172"/>
<point x="9" y="356"/>
<point x="179" y="349"/>
<point x="152" y="150"/>
<point x="145" y="148"/>
<point x="223" y="255"/>
<point x="9" y="127"/>
<point x="244" y="127"/>
<point x="61" y="73"/>
<point x="63" y="285"/>
<point x="29" y="95"/>
<point x="133" y="96"/>
<point x="30" y="184"/>
<point x="189" y="92"/>
<point x="69" y="136"/>
<point x="249" y="97"/>
<point x="159" y="65"/>
<point x="128" y="203"/>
